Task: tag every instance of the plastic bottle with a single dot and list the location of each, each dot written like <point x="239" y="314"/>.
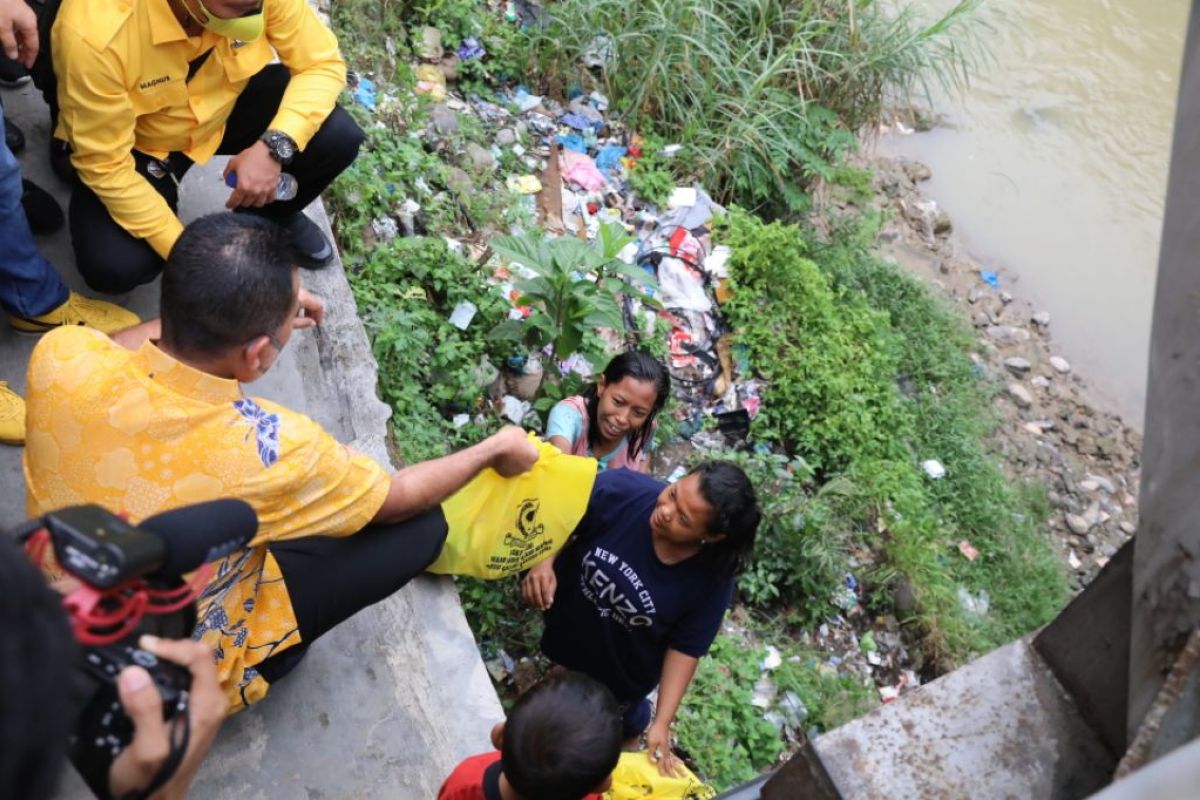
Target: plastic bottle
<point x="285" y="190"/>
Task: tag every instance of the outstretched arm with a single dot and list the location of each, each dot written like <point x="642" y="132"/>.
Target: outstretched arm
<point x="422" y="486"/>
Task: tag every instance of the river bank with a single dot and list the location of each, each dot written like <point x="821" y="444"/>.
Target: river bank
<point x="1054" y="430"/>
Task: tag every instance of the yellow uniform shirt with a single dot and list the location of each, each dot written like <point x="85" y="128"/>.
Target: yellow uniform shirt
<point x="122" y="84"/>
<point x="142" y="433"/>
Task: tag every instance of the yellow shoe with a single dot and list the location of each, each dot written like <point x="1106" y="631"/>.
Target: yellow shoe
<point x="12" y="416"/>
<point x="79" y="310"/>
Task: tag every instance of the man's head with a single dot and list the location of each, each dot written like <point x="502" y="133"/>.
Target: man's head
<point x="37" y="662"/>
<point x="230" y="294"/>
<point x="562" y="739"/>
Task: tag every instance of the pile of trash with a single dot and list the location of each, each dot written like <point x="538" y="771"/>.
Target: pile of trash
<point x="578" y="180"/>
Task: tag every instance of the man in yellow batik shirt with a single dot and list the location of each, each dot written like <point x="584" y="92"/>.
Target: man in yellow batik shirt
<point x="143" y="426"/>
<point x="146" y="88"/>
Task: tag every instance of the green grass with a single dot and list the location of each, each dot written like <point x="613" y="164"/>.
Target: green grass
<point x="868" y="376"/>
<point x="766" y="95"/>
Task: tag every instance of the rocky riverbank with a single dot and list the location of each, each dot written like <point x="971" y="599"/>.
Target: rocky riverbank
<point x="1053" y="429"/>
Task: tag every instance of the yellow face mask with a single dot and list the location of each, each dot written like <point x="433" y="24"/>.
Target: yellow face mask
<point x="245" y="28"/>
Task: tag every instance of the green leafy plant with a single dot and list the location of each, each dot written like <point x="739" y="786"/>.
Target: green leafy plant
<point x="573" y="288"/>
<point x="867" y="375"/>
<point x="721" y="730"/>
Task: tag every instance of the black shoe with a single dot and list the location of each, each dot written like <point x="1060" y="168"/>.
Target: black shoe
<point x="12" y="73"/>
<point x="14" y="137"/>
<point x="44" y="213"/>
<point x="312" y="249"/>
<point x="60" y="160"/>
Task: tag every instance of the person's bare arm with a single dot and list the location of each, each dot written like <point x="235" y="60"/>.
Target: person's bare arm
<point x="422" y="486"/>
<point x="133" y="338"/>
<point x="678" y="669"/>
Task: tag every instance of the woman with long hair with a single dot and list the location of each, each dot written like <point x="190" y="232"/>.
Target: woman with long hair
<point x="613" y="421"/>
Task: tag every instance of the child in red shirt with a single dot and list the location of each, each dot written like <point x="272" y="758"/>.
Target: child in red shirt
<point x="561" y="742"/>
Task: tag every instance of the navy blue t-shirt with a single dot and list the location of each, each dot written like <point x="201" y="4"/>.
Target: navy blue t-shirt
<point x="618" y="608"/>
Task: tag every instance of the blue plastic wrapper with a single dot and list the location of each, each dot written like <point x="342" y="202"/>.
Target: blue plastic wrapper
<point x="609" y="157"/>
<point x="471" y="48"/>
<point x="572" y="141"/>
<point x="364" y="93"/>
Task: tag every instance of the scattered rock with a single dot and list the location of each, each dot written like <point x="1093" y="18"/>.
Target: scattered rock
<point x="1040" y="381"/>
<point x="449" y="68"/>
<point x="481" y="158"/>
<point x="1006" y="297"/>
<point x="459" y="181"/>
<point x="1020" y="395"/>
<point x="445" y="120"/>
<point x="1101" y="482"/>
<point x="1007" y="334"/>
<point x="917" y="172"/>
<point x="942" y="226"/>
<point x="430" y="47"/>
<point x="1060" y="364"/>
<point x="1041" y="319"/>
<point x="1128" y="528"/>
<point x="506" y="137"/>
<point x="1017" y="365"/>
<point x="1078" y="525"/>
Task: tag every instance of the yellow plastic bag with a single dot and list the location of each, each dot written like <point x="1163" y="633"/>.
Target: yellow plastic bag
<point x="637" y="778"/>
<point x="501" y="526"/>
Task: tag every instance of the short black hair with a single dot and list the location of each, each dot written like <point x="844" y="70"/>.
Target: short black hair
<point x="562" y="738"/>
<point x="227" y="281"/>
<point x="735" y="513"/>
<point x="37" y="662"/>
<point x="641" y="366"/>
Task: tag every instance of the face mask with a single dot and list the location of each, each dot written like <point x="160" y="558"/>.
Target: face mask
<point x="245" y="29"/>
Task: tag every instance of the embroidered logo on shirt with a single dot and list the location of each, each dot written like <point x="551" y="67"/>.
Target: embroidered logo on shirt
<point x="265" y="427"/>
<point x="150" y="84"/>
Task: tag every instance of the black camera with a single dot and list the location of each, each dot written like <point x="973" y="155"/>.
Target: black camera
<point x="131" y="582"/>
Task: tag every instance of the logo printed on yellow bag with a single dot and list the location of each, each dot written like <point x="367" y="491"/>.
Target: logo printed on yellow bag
<point x="527" y="543"/>
<point x="500" y="526"/>
<point x="637" y="778"/>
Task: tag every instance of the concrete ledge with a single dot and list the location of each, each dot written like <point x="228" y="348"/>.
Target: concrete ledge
<point x="1000" y="727"/>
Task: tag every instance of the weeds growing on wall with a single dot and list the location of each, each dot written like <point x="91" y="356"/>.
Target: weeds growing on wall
<point x="765" y="95"/>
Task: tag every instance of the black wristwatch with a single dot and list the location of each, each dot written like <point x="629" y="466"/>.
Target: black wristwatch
<point x="281" y="146"/>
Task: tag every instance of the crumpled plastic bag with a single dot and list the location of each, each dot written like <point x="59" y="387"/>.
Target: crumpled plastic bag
<point x="581" y="170"/>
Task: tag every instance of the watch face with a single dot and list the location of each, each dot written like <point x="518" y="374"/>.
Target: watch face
<point x="284" y="147"/>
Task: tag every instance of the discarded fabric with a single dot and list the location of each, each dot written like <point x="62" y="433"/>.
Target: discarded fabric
<point x="471" y="48"/>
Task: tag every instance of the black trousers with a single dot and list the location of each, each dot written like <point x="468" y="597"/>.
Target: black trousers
<point x="112" y="260"/>
<point x="330" y="579"/>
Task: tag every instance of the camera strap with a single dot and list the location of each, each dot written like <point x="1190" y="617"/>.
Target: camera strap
<point x="179" y="734"/>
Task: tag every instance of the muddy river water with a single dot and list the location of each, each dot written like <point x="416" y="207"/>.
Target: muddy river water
<point x="1053" y="166"/>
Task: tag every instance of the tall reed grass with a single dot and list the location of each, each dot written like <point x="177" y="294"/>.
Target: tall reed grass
<point x="765" y="94"/>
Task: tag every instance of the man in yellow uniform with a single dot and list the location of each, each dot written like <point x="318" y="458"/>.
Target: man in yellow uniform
<point x="146" y="88"/>
<point x="145" y="426"/>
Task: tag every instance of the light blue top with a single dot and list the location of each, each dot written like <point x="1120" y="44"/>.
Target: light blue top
<point x="567" y="422"/>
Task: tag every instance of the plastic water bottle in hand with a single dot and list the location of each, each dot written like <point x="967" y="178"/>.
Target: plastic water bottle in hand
<point x="284" y="190"/>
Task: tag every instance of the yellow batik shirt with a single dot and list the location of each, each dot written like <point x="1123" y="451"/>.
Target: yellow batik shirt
<point x="139" y="432"/>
